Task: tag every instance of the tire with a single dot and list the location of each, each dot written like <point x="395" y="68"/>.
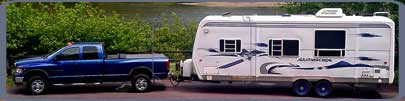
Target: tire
<point x="323" y="88"/>
<point x="36" y="85"/>
<point x="141" y="83"/>
<point x="302" y="87"/>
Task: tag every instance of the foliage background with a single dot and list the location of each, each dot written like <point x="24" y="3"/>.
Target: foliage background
<point x="40" y="28"/>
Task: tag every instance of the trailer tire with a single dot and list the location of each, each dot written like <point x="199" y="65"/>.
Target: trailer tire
<point x="323" y="88"/>
<point x="302" y="87"/>
<point x="36" y="85"/>
<point x="141" y="82"/>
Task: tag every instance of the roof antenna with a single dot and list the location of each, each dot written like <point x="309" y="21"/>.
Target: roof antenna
<point x="226" y="13"/>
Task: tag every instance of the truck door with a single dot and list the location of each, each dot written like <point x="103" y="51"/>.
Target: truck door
<point x="67" y="62"/>
<point x="91" y="64"/>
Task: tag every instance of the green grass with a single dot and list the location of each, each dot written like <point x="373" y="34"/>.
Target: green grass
<point x="9" y="82"/>
<point x="396" y="83"/>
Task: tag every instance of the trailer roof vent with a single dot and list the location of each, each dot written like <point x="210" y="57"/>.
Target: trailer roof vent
<point x="286" y="15"/>
<point x="226" y="14"/>
<point x="330" y="12"/>
<point x="386" y="14"/>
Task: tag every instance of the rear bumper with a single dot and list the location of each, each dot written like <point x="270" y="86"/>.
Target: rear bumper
<point x="161" y="75"/>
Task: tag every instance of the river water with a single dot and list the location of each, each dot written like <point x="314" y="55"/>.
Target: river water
<point x="153" y="11"/>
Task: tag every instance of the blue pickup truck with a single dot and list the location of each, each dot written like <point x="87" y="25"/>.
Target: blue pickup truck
<point x="87" y="63"/>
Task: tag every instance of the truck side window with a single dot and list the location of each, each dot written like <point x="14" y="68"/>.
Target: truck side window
<point x="229" y="45"/>
<point x="70" y="54"/>
<point x="330" y="43"/>
<point x="90" y="52"/>
<point x="283" y="47"/>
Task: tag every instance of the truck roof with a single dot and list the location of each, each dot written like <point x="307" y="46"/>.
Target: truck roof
<point x="87" y="43"/>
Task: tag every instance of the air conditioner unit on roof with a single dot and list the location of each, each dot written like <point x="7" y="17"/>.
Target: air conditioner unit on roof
<point x="330" y="12"/>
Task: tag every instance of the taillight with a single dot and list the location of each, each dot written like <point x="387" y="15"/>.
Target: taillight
<point x="168" y="65"/>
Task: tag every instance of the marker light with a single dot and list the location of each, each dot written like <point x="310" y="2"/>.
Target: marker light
<point x="19" y="70"/>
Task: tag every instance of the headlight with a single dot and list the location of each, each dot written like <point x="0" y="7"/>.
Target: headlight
<point x="19" y="70"/>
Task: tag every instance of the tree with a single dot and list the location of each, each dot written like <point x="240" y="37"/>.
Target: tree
<point x="41" y="28"/>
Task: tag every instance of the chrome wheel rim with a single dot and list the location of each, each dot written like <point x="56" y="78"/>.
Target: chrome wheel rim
<point x="38" y="86"/>
<point x="141" y="84"/>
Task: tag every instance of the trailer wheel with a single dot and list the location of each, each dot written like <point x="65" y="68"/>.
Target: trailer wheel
<point x="323" y="88"/>
<point x="301" y="87"/>
<point x="141" y="83"/>
<point x="36" y="85"/>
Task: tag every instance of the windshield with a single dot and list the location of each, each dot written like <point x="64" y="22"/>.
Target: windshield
<point x="54" y="53"/>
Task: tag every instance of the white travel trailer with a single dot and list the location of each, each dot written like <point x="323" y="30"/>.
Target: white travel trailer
<point x="310" y="51"/>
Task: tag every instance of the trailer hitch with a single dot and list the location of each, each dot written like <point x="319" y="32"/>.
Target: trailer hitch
<point x="175" y="75"/>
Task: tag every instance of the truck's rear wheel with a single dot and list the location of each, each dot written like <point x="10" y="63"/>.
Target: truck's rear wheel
<point x="141" y="83"/>
<point x="301" y="87"/>
<point x="36" y="85"/>
<point x="323" y="88"/>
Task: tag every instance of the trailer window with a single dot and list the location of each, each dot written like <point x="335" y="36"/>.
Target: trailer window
<point x="330" y="43"/>
<point x="229" y="45"/>
<point x="283" y="47"/>
<point x="90" y="52"/>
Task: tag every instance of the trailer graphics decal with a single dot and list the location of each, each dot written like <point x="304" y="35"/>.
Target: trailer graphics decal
<point x="276" y="65"/>
<point x="272" y="69"/>
<point x="367" y="59"/>
<point x="231" y="64"/>
<point x="243" y="53"/>
<point x="369" y="35"/>
<point x="346" y="64"/>
<point x="262" y="45"/>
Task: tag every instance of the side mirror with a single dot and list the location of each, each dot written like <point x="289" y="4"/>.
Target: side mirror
<point x="57" y="57"/>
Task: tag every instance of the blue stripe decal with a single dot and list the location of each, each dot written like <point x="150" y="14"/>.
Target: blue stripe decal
<point x="262" y="45"/>
<point x="368" y="35"/>
<point x="367" y="58"/>
<point x="311" y="68"/>
<point x="263" y="55"/>
<point x="232" y="64"/>
<point x="212" y="50"/>
<point x="346" y="64"/>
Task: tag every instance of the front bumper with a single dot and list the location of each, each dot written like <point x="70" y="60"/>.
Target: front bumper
<point x="18" y="80"/>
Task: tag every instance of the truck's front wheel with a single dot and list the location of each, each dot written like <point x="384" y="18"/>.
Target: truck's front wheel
<point x="141" y="83"/>
<point x="36" y="85"/>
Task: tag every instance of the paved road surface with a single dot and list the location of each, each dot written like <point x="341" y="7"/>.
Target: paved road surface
<point x="200" y="90"/>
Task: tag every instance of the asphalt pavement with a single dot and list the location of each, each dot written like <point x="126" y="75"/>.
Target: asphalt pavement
<point x="162" y="89"/>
